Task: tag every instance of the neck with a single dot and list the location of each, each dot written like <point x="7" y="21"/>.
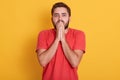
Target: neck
<point x="66" y="30"/>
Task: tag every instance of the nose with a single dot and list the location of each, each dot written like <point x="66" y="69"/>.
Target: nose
<point x="60" y="18"/>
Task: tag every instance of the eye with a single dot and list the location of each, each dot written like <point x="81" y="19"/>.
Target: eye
<point x="55" y="15"/>
<point x="64" y="14"/>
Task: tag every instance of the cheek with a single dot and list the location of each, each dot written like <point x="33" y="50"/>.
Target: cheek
<point x="66" y="20"/>
<point x="55" y="20"/>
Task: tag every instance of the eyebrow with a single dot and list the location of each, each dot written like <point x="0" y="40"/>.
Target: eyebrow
<point x="58" y="13"/>
<point x="64" y="13"/>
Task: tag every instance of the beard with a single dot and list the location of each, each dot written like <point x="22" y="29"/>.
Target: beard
<point x="65" y="26"/>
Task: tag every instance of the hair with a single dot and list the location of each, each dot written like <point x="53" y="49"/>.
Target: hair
<point x="61" y="4"/>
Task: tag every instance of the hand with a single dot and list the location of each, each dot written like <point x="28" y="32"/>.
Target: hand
<point x="60" y="31"/>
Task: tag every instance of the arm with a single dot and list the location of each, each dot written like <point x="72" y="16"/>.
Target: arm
<point x="74" y="56"/>
<point x="44" y="55"/>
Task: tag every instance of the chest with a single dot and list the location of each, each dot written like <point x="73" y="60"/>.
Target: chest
<point x="70" y="38"/>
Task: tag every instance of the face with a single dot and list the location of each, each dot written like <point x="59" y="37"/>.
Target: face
<point x="60" y="14"/>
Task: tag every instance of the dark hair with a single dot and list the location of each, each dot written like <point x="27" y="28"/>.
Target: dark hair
<point x="61" y="4"/>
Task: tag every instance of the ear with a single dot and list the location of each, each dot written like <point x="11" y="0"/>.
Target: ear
<point x="69" y="19"/>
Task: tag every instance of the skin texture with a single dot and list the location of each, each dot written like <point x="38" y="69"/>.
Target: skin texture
<point x="60" y="19"/>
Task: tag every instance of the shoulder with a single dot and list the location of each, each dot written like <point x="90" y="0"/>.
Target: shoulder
<point x="46" y="32"/>
<point x="76" y="31"/>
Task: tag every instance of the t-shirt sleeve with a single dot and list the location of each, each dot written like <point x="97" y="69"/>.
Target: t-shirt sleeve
<point x="80" y="43"/>
<point x="41" y="43"/>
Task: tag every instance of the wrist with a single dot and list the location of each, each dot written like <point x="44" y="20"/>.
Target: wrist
<point x="63" y="40"/>
<point x="57" y="40"/>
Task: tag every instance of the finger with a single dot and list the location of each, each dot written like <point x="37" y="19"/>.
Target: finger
<point x="60" y="32"/>
<point x="59" y="24"/>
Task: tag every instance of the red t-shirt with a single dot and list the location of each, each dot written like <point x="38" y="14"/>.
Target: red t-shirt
<point x="59" y="68"/>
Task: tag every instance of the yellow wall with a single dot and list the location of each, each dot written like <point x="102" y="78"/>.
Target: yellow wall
<point x="21" y="21"/>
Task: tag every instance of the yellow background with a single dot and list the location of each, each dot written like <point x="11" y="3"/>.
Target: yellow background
<point x="21" y="21"/>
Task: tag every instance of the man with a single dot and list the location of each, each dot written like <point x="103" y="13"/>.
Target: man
<point x="60" y="49"/>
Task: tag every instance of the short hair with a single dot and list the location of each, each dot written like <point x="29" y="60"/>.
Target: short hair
<point x="61" y="4"/>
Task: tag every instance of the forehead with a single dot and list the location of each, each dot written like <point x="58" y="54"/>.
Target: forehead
<point x="60" y="10"/>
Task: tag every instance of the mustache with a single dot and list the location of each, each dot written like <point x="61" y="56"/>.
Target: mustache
<point x="59" y="21"/>
<point x="54" y="24"/>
